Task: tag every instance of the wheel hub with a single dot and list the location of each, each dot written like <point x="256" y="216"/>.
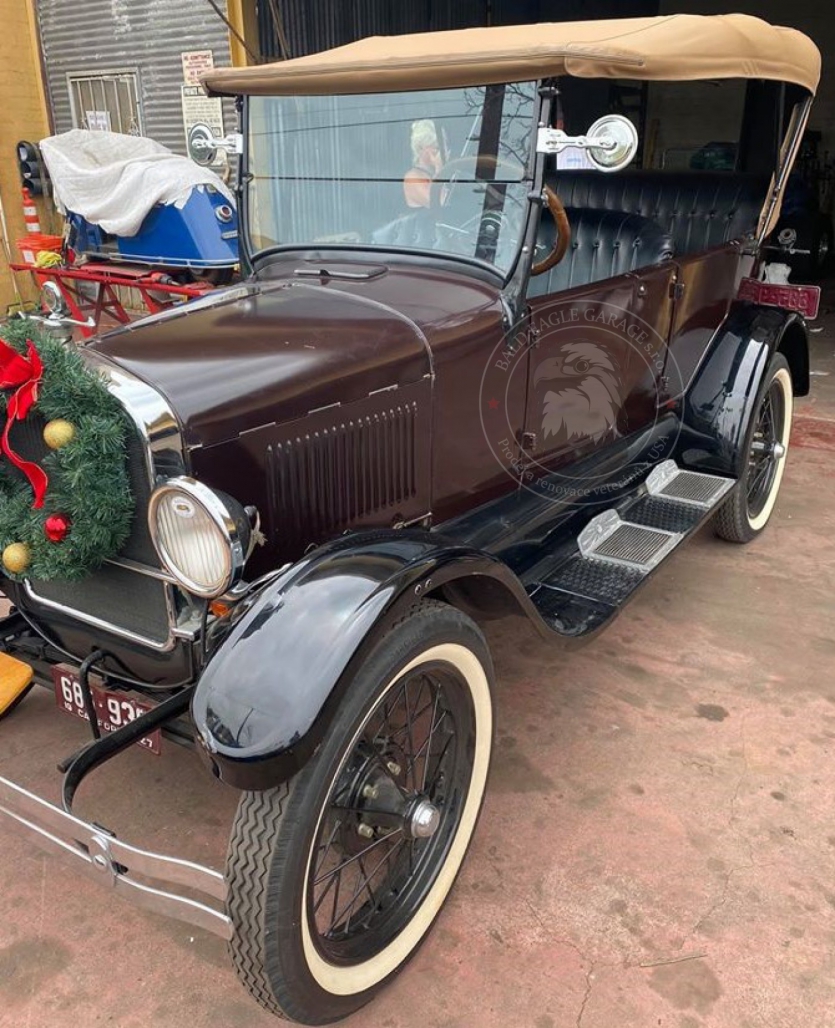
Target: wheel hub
<point x="423" y="819"/>
<point x="768" y="449"/>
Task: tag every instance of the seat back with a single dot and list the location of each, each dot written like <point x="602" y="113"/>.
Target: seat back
<point x="698" y="209"/>
<point x="603" y="244"/>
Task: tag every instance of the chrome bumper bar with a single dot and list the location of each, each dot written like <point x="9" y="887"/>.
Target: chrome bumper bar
<point x="116" y="863"/>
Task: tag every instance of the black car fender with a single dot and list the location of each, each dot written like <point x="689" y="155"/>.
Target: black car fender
<point x="720" y="402"/>
<point x="269" y="691"/>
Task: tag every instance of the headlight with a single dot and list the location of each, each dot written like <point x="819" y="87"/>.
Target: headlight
<point x="202" y="536"/>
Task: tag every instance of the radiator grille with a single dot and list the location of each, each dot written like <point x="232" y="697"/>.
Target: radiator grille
<point x="114" y="596"/>
<point x="331" y="478"/>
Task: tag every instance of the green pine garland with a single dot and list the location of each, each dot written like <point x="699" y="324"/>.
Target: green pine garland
<point x="88" y="478"/>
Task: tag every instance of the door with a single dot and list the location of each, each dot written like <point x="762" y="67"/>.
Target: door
<point x="596" y="365"/>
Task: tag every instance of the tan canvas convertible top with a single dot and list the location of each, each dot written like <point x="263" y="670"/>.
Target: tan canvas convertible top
<point x="677" y="47"/>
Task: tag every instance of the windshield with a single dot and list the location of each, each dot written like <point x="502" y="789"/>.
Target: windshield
<point x="442" y="170"/>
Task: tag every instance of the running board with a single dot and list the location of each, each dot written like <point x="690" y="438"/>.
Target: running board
<point x="588" y="582"/>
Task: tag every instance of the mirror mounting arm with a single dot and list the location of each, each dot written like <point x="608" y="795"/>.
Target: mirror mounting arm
<point x="611" y="142"/>
<point x="551" y="140"/>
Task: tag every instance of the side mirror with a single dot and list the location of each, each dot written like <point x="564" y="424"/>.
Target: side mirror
<point x="613" y="142"/>
<point x="203" y="146"/>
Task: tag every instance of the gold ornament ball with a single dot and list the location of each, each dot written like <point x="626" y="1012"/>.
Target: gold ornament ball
<point x="58" y="433"/>
<point x="16" y="558"/>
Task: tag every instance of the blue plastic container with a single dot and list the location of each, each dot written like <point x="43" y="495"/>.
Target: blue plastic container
<point x="201" y="235"/>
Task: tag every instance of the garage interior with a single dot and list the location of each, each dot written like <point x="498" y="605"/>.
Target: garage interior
<point x="657" y="846"/>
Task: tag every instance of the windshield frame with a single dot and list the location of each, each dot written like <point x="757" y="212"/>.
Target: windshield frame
<point x="532" y="175"/>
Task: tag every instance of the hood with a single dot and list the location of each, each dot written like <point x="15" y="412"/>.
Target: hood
<point x="268" y="352"/>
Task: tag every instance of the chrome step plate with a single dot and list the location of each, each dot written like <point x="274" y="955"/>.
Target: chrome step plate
<point x="607" y="537"/>
<point x="691" y="487"/>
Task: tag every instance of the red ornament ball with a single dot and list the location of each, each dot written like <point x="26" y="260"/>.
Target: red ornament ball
<point x="56" y="527"/>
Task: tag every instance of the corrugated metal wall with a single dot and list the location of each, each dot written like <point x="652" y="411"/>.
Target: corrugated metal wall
<point x="93" y="36"/>
<point x="313" y="25"/>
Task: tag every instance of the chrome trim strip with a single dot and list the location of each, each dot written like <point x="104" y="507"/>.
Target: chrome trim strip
<point x="142" y="569"/>
<point x="154" y="419"/>
<point x="115" y="862"/>
<point x="107" y="626"/>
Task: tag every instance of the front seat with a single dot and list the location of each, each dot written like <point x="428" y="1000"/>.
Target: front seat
<point x="604" y="244"/>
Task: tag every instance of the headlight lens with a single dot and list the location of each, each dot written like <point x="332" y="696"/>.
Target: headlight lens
<point x="202" y="536"/>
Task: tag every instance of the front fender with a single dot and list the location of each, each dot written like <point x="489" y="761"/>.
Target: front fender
<point x="720" y="402"/>
<point x="266" y="697"/>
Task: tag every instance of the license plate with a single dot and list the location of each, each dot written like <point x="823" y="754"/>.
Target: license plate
<point x="805" y="299"/>
<point x="114" y="710"/>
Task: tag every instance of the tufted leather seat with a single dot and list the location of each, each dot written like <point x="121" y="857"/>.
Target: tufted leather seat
<point x="699" y="209"/>
<point x="603" y="244"/>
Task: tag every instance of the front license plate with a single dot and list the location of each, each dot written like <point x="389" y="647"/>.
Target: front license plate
<point x="114" y="710"/>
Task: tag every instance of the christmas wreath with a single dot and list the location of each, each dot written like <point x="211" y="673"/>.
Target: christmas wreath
<point x="63" y="514"/>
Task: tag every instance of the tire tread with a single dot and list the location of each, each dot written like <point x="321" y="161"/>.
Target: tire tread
<point x="250" y="855"/>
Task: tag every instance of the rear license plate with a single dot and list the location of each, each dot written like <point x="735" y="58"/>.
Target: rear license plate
<point x="114" y="710"/>
<point x="805" y="299"/>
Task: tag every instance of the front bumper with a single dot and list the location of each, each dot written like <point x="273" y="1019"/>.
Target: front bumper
<point x="135" y="873"/>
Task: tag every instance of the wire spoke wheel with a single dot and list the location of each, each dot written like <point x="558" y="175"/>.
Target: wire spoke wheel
<point x="390" y="815"/>
<point x="336" y="876"/>
<point x="767" y="449"/>
<point x="748" y="508"/>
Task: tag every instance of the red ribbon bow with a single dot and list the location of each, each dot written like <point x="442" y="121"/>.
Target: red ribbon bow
<point x="24" y="375"/>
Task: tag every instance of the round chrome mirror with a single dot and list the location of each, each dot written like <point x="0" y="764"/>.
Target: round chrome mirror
<point x="201" y="145"/>
<point x="617" y="140"/>
<point x="52" y="300"/>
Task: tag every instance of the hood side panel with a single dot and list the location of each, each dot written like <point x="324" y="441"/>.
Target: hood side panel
<point x="273" y="356"/>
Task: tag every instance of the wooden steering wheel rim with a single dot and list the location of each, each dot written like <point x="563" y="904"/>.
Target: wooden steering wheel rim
<point x="563" y="240"/>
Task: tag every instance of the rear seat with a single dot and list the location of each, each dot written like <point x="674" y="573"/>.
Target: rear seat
<point x="603" y="244"/>
<point x="698" y="209"/>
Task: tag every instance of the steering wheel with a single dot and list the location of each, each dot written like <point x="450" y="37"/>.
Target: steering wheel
<point x="442" y="189"/>
<point x="563" y="237"/>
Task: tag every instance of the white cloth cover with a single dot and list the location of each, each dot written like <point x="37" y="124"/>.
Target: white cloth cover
<point x="113" y="180"/>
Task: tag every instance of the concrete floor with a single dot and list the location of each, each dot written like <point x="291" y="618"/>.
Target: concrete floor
<point x="657" y="846"/>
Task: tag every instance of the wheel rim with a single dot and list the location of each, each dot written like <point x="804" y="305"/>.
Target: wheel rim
<point x="768" y="449"/>
<point x="391" y="814"/>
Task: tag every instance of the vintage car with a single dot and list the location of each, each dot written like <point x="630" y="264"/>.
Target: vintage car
<point x="478" y="366"/>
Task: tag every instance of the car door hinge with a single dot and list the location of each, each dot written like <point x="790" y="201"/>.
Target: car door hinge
<point x="527" y="442"/>
<point x="676" y="289"/>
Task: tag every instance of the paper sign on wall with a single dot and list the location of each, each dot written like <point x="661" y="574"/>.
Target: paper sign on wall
<point x="97" y="121"/>
<point x="195" y="63"/>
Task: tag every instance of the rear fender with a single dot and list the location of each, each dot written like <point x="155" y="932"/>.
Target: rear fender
<point x="267" y="696"/>
<point x="720" y="402"/>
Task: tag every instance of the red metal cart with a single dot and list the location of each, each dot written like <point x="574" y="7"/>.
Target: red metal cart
<point x="90" y="291"/>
